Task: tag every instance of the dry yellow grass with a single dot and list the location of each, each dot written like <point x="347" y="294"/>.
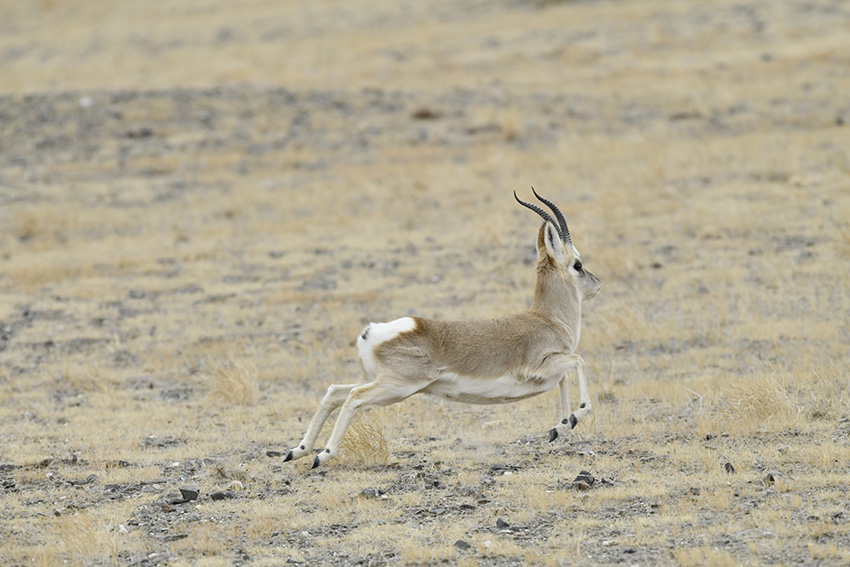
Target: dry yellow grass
<point x="201" y="205"/>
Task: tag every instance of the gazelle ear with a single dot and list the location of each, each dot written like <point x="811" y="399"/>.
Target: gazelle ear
<point x="549" y="243"/>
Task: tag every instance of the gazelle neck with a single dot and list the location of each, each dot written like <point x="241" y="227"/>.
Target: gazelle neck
<point x="556" y="299"/>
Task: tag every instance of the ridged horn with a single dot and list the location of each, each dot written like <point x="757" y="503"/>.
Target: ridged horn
<point x="565" y="231"/>
<point x="546" y="216"/>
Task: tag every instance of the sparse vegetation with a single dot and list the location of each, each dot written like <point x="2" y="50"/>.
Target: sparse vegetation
<point x="202" y="205"/>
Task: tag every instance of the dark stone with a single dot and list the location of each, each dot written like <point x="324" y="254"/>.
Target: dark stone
<point x="425" y="114"/>
<point x="189" y="493"/>
<point x="502" y="525"/>
<point x="462" y="545"/>
<point x="585" y="477"/>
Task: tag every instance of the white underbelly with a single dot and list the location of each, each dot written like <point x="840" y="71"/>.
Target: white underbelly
<point x="501" y="390"/>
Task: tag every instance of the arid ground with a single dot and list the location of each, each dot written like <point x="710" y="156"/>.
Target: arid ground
<point x="202" y="203"/>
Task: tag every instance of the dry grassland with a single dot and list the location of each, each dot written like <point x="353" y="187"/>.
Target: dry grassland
<point x="202" y="203"/>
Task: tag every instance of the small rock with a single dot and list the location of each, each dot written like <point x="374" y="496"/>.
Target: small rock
<point x="138" y="133"/>
<point x="462" y="545"/>
<point x="502" y="525"/>
<point x="274" y="454"/>
<point x="189" y="493"/>
<point x="729" y="468"/>
<point x="769" y="479"/>
<point x="585" y="478"/>
<point x="219" y="495"/>
<point x="369" y="493"/>
<point x="694" y="491"/>
<point x="425" y="114"/>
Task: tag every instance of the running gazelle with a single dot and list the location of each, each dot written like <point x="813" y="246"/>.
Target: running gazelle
<point x="486" y="361"/>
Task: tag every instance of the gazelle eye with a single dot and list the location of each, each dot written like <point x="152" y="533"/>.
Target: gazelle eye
<point x="577" y="266"/>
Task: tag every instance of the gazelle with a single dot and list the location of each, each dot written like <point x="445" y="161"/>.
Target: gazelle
<point x="488" y="361"/>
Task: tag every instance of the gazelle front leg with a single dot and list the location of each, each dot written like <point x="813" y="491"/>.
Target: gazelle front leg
<point x="564" y="391"/>
<point x="583" y="397"/>
<point x="335" y="396"/>
<point x="569" y="419"/>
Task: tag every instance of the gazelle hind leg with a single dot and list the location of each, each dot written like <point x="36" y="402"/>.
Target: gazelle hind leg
<point x="335" y="396"/>
<point x="383" y="391"/>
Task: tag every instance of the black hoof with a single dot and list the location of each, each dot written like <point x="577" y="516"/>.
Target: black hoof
<point x="553" y="434"/>
<point x="288" y="457"/>
<point x="316" y="463"/>
<point x="573" y="421"/>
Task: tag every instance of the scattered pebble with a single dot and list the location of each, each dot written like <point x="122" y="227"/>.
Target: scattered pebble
<point x="462" y="545"/>
<point x="502" y="525"/>
<point x="584" y="480"/>
<point x="189" y="493"/>
<point x="729" y="468"/>
<point x="369" y="492"/>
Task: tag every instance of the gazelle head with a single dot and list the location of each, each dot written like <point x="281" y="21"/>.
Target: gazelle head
<point x="556" y="253"/>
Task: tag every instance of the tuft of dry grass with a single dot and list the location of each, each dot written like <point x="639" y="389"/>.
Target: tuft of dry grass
<point x="756" y="403"/>
<point x="231" y="381"/>
<point x="364" y="442"/>
<point x="86" y="537"/>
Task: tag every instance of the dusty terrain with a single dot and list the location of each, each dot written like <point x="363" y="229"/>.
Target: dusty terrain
<point x="202" y="204"/>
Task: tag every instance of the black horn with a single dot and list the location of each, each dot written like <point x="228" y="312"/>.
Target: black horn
<point x="565" y="231"/>
<point x="546" y="216"/>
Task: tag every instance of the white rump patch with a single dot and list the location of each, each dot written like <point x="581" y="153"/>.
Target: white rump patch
<point x="378" y="333"/>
